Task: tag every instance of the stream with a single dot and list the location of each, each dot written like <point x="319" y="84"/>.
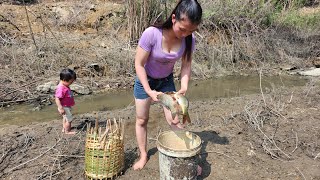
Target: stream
<point x="223" y="87"/>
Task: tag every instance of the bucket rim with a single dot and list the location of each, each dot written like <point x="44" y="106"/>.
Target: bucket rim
<point x="188" y="153"/>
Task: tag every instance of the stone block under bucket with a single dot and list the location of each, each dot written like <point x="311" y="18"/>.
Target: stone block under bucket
<point x="178" y="152"/>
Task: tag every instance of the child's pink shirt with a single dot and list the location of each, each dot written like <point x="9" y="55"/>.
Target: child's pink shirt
<point x="65" y="95"/>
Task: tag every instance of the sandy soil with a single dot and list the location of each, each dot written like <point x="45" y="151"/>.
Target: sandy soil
<point x="274" y="136"/>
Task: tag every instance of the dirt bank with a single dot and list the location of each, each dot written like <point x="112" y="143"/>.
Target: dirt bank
<point x="274" y="136"/>
<point x="39" y="38"/>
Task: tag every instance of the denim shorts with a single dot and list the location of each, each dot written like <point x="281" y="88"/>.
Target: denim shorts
<point x="161" y="85"/>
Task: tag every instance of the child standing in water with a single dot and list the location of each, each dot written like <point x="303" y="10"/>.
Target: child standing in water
<point x="64" y="99"/>
<point x="158" y="50"/>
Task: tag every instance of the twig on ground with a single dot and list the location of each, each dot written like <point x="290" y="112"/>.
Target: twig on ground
<point x="17" y="89"/>
<point x="61" y="172"/>
<point x="269" y="150"/>
<point x="290" y="98"/>
<point x="223" y="118"/>
<point x="254" y="119"/>
<point x="7" y="20"/>
<point x="301" y="173"/>
<point x="152" y="139"/>
<point x="74" y="156"/>
<point x="274" y="143"/>
<point x="317" y="156"/>
<point x="4" y="155"/>
<point x="18" y="101"/>
<point x="296" y="143"/>
<point x="54" y="163"/>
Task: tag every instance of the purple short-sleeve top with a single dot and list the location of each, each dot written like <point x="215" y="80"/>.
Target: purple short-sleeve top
<point x="160" y="64"/>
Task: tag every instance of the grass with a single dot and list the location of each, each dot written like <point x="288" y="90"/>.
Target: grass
<point x="298" y="20"/>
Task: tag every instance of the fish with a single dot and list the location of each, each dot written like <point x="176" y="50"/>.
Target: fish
<point x="167" y="100"/>
<point x="184" y="106"/>
<point x="176" y="103"/>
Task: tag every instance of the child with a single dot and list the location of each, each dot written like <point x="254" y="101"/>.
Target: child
<point x="64" y="98"/>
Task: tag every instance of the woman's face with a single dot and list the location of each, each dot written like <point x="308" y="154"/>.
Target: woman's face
<point x="182" y="28"/>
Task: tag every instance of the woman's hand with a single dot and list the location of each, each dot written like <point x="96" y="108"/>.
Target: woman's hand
<point x="182" y="91"/>
<point x="153" y="94"/>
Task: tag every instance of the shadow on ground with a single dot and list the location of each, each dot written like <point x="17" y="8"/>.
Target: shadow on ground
<point x="208" y="137"/>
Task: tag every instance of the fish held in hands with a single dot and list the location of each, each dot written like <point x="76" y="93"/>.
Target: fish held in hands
<point x="176" y="103"/>
<point x="167" y="100"/>
<point x="184" y="105"/>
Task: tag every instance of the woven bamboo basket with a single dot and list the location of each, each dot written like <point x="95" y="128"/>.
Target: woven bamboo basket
<point x="104" y="152"/>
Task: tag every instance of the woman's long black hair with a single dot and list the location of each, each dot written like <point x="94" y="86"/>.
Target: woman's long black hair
<point x="193" y="11"/>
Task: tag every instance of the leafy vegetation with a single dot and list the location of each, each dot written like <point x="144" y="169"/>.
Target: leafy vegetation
<point x="298" y="20"/>
<point x="252" y="33"/>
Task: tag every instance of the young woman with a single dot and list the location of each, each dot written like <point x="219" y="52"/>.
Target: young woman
<point x="158" y="50"/>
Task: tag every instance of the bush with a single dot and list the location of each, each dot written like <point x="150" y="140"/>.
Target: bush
<point x="298" y="20"/>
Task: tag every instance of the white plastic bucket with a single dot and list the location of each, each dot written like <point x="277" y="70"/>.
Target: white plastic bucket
<point x="177" y="157"/>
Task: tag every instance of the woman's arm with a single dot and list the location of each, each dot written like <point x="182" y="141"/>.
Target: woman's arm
<point x="140" y="60"/>
<point x="185" y="75"/>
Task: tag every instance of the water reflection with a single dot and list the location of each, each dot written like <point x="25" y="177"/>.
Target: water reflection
<point x="232" y="86"/>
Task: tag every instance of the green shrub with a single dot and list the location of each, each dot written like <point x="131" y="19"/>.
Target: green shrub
<point x="298" y="20"/>
<point x="288" y="4"/>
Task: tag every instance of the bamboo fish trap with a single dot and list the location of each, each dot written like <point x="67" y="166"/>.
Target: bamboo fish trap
<point x="104" y="152"/>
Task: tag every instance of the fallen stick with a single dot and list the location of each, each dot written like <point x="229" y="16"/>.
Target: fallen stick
<point x="75" y="156"/>
<point x="8" y="21"/>
<point x="296" y="143"/>
<point x="152" y="139"/>
<point x="301" y="173"/>
<point x="19" y="100"/>
<point x="274" y="143"/>
<point x="60" y="172"/>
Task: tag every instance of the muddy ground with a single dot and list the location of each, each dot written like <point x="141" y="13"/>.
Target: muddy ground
<point x="261" y="136"/>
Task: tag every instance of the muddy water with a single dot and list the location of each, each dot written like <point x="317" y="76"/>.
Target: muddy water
<point x="198" y="90"/>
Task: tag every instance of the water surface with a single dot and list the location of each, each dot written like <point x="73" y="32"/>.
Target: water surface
<point x="229" y="86"/>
